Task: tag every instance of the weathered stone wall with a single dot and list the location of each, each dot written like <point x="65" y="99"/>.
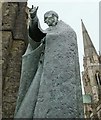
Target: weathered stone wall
<point x="14" y="39"/>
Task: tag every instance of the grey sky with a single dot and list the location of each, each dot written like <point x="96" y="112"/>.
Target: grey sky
<point x="71" y="12"/>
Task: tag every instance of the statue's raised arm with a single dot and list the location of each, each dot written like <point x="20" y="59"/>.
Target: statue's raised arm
<point x="35" y="32"/>
<point x="33" y="12"/>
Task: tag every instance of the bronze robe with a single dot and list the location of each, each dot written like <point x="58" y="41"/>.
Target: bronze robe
<point x="50" y="84"/>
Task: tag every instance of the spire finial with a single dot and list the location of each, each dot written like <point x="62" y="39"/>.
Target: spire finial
<point x="89" y="49"/>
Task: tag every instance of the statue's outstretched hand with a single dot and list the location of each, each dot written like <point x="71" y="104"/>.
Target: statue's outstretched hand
<point x="33" y="11"/>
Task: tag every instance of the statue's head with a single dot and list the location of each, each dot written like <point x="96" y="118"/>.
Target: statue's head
<point x="51" y="18"/>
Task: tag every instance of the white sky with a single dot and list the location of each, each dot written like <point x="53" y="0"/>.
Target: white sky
<point x="71" y="12"/>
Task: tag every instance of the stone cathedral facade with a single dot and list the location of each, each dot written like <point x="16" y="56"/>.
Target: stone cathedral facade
<point x="91" y="77"/>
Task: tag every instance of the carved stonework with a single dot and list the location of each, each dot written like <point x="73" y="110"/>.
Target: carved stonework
<point x="14" y="32"/>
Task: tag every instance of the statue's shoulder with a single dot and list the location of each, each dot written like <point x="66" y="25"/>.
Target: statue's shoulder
<point x="66" y="27"/>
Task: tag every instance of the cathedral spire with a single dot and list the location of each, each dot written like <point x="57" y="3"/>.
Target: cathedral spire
<point x="89" y="49"/>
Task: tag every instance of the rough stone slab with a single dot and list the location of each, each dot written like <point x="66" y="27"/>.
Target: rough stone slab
<point x="12" y="78"/>
<point x="9" y="109"/>
<point x="21" y="23"/>
<point x="9" y="13"/>
<point x="6" y="46"/>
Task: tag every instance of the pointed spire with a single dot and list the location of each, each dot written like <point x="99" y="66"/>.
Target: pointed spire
<point x="89" y="49"/>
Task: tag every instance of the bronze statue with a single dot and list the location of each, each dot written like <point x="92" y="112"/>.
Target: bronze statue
<point x="50" y="84"/>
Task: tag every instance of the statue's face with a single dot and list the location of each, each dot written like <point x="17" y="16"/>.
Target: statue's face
<point x="50" y="19"/>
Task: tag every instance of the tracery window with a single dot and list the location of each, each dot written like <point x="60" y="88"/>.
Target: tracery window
<point x="98" y="79"/>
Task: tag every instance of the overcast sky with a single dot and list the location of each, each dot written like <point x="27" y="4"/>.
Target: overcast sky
<point x="71" y="12"/>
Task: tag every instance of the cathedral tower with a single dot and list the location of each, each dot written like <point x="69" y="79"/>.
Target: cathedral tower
<point x="91" y="75"/>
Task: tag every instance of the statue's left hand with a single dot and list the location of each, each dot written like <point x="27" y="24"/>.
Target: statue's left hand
<point x="33" y="11"/>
